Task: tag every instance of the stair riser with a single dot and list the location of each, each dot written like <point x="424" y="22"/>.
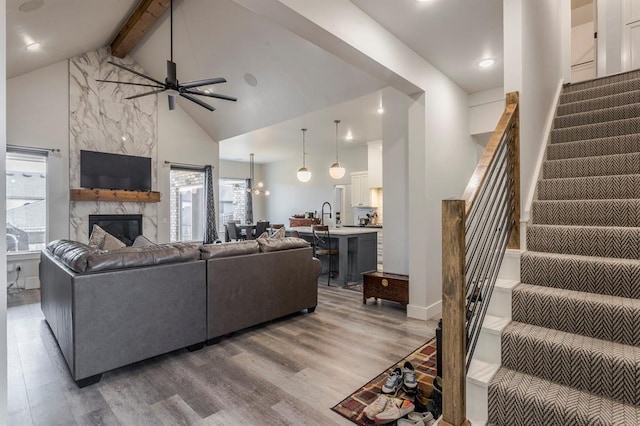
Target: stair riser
<point x="587" y="213"/>
<point x="590" y="188"/>
<point x="620" y="99"/>
<point x="500" y="304"/>
<point x="594" y="147"/>
<point x="621" y="279"/>
<point x="477" y="400"/>
<point x="570" y="366"/>
<point x="598" y="130"/>
<point x="602" y="242"/>
<point x="598" y="116"/>
<point x="583" y="85"/>
<point x="628" y="164"/>
<point x="488" y="348"/>
<point x="603" y="321"/>
<point x="600" y="91"/>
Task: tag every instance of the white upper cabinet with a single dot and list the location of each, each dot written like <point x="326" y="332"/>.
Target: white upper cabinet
<point x="375" y="164"/>
<point x="360" y="193"/>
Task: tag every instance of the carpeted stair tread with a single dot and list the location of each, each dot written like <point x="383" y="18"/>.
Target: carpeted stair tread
<point x="597" y="275"/>
<point x="596" y="316"/>
<point x="601" y="81"/>
<point x="618" y="242"/>
<point x="611" y="101"/>
<point x="600" y="91"/>
<point x="589" y="188"/>
<point x="587" y="212"/>
<point x="594" y="147"/>
<point x="571" y="360"/>
<point x="606" y="129"/>
<point x="518" y="399"/>
<point x="597" y="116"/>
<point x="604" y="165"/>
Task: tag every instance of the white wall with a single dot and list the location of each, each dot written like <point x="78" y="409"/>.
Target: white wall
<point x="38" y="116"/>
<point x="535" y="68"/>
<point x="180" y="140"/>
<point x="289" y="195"/>
<point x="3" y="194"/>
<point x="609" y="24"/>
<point x="241" y="170"/>
<point x="485" y="110"/>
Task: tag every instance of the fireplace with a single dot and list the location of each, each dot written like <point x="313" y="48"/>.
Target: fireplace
<point x="125" y="227"/>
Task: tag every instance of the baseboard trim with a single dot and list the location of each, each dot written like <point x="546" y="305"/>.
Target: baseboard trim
<point x="424" y="312"/>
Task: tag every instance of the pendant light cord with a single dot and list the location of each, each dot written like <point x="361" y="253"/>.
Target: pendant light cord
<point x="337" y="122"/>
<point x="171" y="27"/>
<point x="304" y="164"/>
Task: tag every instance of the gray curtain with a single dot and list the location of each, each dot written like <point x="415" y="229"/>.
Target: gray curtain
<point x="210" y="228"/>
<point x="248" y="205"/>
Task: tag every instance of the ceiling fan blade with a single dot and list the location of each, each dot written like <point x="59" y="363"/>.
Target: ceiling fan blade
<point x="137" y="73"/>
<point x="132" y="84"/>
<point x="172" y="102"/>
<point x="206" y="82"/>
<point x="211" y="95"/>
<point x="153" y="92"/>
<point x="198" y="101"/>
<point x="172" y="78"/>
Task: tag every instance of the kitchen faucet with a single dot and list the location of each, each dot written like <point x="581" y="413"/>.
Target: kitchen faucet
<point x="322" y="212"/>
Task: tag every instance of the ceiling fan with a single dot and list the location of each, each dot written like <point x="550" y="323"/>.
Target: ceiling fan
<point x="171" y="84"/>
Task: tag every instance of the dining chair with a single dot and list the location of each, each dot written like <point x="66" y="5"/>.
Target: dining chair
<point x="234" y="231"/>
<point x="261" y="227"/>
<point x="226" y="234"/>
<point x="324" y="246"/>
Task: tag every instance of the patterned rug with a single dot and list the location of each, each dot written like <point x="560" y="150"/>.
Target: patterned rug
<point x="423" y="360"/>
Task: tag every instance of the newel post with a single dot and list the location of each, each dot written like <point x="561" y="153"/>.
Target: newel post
<point x="453" y="314"/>
<point x="514" y="159"/>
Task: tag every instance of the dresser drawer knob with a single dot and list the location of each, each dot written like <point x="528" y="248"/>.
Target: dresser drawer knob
<point x="385" y="282"/>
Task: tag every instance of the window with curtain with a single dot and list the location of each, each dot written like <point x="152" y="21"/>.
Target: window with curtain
<point x="232" y="201"/>
<point x="187" y="204"/>
<point x="26" y="201"/>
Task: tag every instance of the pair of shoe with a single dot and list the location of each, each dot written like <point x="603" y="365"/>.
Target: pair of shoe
<point x="385" y="409"/>
<point x="405" y="378"/>
<point x="417" y="419"/>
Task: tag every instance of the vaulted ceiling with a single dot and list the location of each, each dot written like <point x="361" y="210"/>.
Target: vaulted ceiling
<point x="276" y="75"/>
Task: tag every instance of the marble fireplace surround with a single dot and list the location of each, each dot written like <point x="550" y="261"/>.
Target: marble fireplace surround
<point x="100" y="119"/>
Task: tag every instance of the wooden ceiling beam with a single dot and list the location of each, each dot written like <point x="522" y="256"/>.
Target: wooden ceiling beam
<point x="140" y="21"/>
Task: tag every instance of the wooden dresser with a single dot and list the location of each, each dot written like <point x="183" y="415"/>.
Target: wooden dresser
<point x="382" y="285"/>
<point x="301" y="221"/>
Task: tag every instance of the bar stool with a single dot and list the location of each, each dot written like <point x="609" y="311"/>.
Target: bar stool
<point x="323" y="246"/>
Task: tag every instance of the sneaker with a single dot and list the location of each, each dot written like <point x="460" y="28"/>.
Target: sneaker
<point x="410" y="382"/>
<point x="395" y="409"/>
<point x="417" y="419"/>
<point x="376" y="407"/>
<point x="393" y="383"/>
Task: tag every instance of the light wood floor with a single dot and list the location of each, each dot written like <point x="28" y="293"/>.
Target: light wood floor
<point x="290" y="371"/>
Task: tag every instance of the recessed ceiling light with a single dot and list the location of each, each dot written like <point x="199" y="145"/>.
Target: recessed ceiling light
<point x="207" y="91"/>
<point x="31" y="5"/>
<point x="486" y="63"/>
<point x="250" y="79"/>
<point x="349" y="136"/>
<point x="380" y="110"/>
<point x="33" y="46"/>
<point x="124" y="138"/>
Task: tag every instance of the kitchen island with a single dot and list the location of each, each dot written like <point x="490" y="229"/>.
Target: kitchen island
<point x="357" y="247"/>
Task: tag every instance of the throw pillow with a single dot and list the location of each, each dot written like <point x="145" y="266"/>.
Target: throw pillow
<point x="280" y="233"/>
<point x="264" y="235"/>
<point x="97" y="237"/>
<point x="142" y="241"/>
<point x="111" y="243"/>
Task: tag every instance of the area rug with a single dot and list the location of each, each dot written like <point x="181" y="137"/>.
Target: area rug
<point x="423" y="360"/>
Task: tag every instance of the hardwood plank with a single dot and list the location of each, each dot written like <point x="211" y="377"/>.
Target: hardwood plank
<point x="138" y="24"/>
<point x="174" y="411"/>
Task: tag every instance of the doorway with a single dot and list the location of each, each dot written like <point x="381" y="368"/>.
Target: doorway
<point x="583" y="41"/>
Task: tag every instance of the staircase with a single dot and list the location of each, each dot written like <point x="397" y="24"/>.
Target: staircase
<point x="571" y="356"/>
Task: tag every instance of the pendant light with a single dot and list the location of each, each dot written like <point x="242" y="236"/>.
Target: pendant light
<point x="337" y="170"/>
<point x="259" y="188"/>
<point x="303" y="173"/>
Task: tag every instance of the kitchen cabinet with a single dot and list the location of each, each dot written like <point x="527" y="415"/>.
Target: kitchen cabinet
<point x="374" y="164"/>
<point x="360" y="194"/>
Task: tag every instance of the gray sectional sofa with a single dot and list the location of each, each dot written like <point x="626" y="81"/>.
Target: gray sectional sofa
<point x="110" y="309"/>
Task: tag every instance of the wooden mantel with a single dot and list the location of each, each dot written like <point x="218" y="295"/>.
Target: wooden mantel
<point x="114" y="195"/>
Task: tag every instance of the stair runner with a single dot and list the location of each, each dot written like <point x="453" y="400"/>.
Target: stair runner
<point x="571" y="356"/>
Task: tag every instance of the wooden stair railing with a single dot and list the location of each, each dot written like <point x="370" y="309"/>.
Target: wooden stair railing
<point x="476" y="231"/>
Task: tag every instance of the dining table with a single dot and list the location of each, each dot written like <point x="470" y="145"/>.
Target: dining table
<point x="248" y="229"/>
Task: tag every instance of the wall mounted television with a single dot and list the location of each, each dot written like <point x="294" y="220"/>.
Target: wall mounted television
<point x="102" y="170"/>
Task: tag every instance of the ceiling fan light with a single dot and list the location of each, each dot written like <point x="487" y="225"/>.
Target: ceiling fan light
<point x="260" y="184"/>
<point x="337" y="171"/>
<point x="304" y="174"/>
<point x="267" y="192"/>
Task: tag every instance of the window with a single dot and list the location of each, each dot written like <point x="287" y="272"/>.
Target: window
<point x="26" y="201"/>
<point x="187" y="204"/>
<point x="233" y="197"/>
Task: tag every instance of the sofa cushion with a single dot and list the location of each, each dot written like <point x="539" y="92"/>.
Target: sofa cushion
<point x="142" y="241"/>
<point x="285" y="243"/>
<point x="214" y="251"/>
<point x="133" y="257"/>
<point x="96" y="239"/>
<point x="111" y="243"/>
<point x="72" y="254"/>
